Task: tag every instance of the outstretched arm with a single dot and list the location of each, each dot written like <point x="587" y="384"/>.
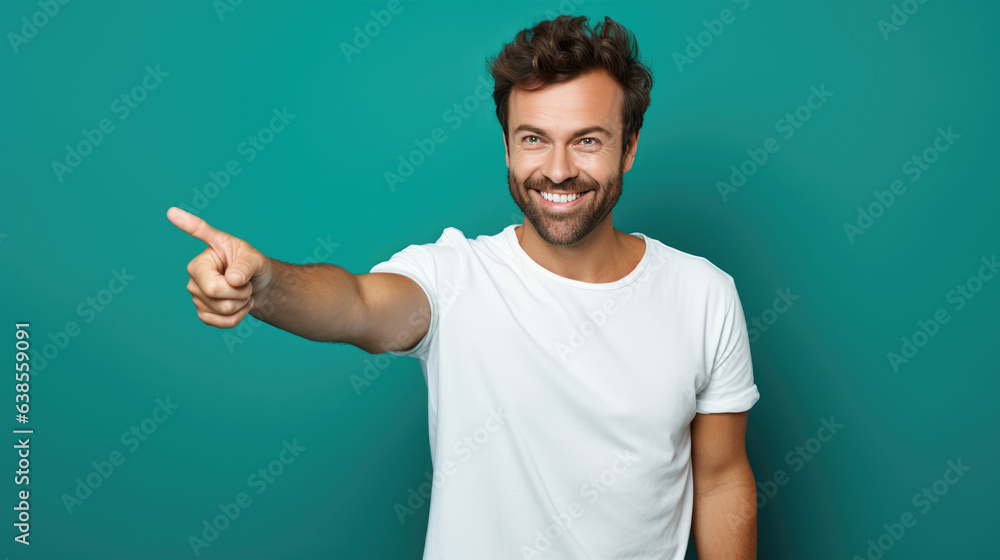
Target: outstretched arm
<point x="377" y="312"/>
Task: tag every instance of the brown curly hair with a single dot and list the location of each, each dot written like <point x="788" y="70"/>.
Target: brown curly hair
<point x="563" y="48"/>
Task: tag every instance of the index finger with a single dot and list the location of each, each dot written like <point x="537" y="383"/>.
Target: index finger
<point x="196" y="227"/>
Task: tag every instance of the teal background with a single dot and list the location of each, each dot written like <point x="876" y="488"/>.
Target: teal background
<point x="323" y="178"/>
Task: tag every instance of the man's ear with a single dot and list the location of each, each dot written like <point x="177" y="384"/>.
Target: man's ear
<point x="629" y="156"/>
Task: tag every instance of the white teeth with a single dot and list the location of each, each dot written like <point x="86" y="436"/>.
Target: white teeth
<point x="559" y="197"/>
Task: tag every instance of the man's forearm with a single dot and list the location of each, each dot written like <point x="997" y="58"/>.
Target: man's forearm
<point x="317" y="301"/>
<point x="725" y="516"/>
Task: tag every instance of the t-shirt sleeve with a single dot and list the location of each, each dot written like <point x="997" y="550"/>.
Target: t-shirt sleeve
<point x="417" y="263"/>
<point x="730" y="387"/>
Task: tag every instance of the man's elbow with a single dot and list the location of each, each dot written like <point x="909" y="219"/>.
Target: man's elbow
<point x="733" y="476"/>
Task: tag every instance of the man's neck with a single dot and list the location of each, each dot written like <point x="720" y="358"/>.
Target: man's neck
<point x="605" y="255"/>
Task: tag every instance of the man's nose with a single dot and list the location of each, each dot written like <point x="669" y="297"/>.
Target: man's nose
<point x="560" y="166"/>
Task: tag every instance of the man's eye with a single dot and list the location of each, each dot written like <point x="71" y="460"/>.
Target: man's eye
<point x="593" y="141"/>
<point x="528" y="138"/>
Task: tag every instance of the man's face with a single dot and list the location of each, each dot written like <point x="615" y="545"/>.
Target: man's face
<point x="566" y="139"/>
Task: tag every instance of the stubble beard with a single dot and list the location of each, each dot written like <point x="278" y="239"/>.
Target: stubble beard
<point x="570" y="226"/>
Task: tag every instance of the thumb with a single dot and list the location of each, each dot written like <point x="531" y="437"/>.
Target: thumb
<point x="238" y="273"/>
<point x="244" y="266"/>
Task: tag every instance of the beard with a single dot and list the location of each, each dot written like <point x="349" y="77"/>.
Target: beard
<point x="566" y="227"/>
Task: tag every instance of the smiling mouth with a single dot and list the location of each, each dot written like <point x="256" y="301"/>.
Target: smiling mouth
<point x="561" y="200"/>
<point x="560" y="196"/>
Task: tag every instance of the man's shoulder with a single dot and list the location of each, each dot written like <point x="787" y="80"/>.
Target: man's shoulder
<point x="454" y="237"/>
<point x="686" y="267"/>
<point x="453" y="247"/>
<point x="454" y="234"/>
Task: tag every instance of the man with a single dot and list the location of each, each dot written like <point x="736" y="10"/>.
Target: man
<point x="588" y="389"/>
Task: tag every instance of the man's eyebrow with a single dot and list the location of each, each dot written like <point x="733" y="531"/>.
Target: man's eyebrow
<point x="581" y="132"/>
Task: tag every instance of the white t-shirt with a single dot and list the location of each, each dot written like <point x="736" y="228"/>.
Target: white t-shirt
<point x="560" y="410"/>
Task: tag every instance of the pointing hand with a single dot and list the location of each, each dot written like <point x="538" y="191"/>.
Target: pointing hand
<point x="227" y="277"/>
